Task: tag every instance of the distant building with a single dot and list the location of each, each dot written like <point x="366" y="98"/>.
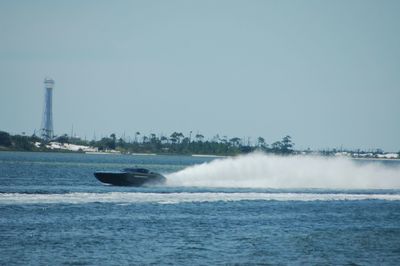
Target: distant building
<point x="46" y="129"/>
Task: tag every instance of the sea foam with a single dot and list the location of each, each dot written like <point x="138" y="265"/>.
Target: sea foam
<point x="182" y="197"/>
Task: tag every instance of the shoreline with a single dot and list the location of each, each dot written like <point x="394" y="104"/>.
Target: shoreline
<point x="191" y="155"/>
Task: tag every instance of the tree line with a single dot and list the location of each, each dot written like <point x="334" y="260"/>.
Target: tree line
<point x="176" y="143"/>
<point x="18" y="142"/>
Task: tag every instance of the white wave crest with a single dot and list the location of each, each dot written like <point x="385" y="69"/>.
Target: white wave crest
<point x="259" y="170"/>
<point x="183" y="197"/>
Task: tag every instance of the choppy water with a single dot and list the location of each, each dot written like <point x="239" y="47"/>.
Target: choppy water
<point x="54" y="212"/>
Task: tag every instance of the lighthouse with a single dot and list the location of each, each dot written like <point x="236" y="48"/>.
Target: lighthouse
<point x="46" y="130"/>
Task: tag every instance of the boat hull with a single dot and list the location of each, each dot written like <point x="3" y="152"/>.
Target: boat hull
<point x="129" y="179"/>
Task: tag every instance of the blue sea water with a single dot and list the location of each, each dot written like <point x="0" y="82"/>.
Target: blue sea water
<point x="54" y="212"/>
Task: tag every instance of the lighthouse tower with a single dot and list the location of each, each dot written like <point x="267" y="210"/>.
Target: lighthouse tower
<point x="46" y="130"/>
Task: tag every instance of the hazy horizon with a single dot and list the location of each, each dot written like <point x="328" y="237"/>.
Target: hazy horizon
<point x="324" y="72"/>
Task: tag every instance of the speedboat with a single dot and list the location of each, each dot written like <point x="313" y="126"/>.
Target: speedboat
<point x="130" y="177"/>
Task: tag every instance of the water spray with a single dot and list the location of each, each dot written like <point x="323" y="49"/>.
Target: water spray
<point x="259" y="170"/>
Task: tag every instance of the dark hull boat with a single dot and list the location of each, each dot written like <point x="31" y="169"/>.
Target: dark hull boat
<point x="130" y="177"/>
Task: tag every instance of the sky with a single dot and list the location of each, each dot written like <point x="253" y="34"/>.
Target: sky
<point x="326" y="73"/>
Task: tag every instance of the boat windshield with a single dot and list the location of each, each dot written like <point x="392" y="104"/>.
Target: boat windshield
<point x="137" y="170"/>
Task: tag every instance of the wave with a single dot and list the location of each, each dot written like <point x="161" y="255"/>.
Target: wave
<point x="182" y="197"/>
<point x="258" y="170"/>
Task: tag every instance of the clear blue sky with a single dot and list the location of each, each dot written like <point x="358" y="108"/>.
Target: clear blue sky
<point x="325" y="72"/>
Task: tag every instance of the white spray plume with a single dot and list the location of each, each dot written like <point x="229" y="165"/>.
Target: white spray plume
<point x="258" y="170"/>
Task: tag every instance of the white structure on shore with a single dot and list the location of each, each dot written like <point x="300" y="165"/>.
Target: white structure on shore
<point x="46" y="130"/>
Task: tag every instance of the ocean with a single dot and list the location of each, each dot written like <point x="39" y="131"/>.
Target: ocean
<point x="249" y="210"/>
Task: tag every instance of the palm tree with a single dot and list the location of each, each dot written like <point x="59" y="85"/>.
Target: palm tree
<point x="224" y="140"/>
<point x="176" y="137"/>
<point x="180" y="136"/>
<point x="164" y="139"/>
<point x="136" y="136"/>
<point x="261" y="142"/>
<point x="113" y="141"/>
<point x="235" y="141"/>
<point x="199" y="137"/>
<point x="276" y="147"/>
<point x="153" y="137"/>
<point x="287" y="144"/>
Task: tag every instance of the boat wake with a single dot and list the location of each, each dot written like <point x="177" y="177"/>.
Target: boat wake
<point x="258" y="170"/>
<point x="182" y="197"/>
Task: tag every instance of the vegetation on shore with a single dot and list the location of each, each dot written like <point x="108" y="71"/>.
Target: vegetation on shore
<point x="176" y="143"/>
<point x="22" y="142"/>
